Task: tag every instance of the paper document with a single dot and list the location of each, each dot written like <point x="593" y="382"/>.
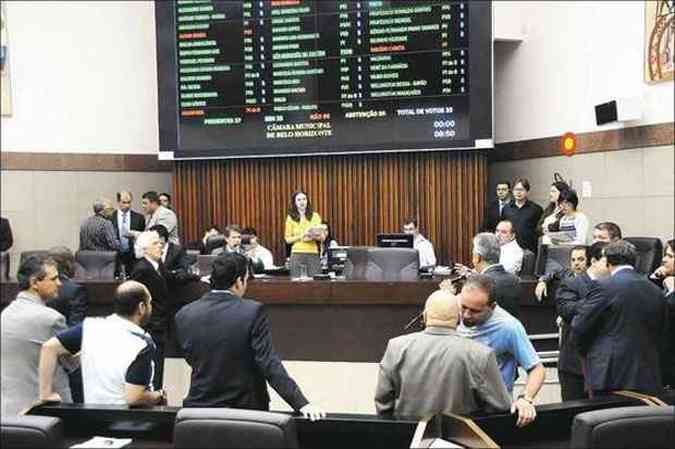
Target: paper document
<point x="98" y="442"/>
<point x="440" y="442"/>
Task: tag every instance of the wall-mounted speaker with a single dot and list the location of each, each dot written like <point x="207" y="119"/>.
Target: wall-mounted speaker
<point x="621" y="109"/>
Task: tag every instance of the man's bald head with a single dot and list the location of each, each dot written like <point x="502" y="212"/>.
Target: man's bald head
<point x="128" y="296"/>
<point x="441" y="310"/>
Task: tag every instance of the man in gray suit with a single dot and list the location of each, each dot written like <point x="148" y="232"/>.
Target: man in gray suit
<point x="437" y="371"/>
<point x="156" y="214"/>
<point x="27" y="323"/>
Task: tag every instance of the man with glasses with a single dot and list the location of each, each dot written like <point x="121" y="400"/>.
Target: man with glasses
<point x="494" y="210"/>
<point x="524" y="214"/>
<point x="26" y="324"/>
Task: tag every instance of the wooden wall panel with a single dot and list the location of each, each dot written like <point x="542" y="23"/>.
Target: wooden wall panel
<point x="359" y="196"/>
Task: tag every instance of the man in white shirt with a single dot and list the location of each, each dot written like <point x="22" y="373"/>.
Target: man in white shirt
<point x="421" y="244"/>
<point x="511" y="256"/>
<point x="253" y="249"/>
<point x="115" y="351"/>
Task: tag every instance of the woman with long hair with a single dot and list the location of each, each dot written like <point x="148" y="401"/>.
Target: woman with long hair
<point x="550" y="219"/>
<point x="328" y="242"/>
<point x="303" y="231"/>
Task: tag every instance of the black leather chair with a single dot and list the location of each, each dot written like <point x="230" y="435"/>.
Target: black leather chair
<point x="95" y="265"/>
<point x="30" y="432"/>
<point x="381" y="264"/>
<point x="26" y="254"/>
<point x="625" y="427"/>
<point x="650" y="253"/>
<point x="214" y="243"/>
<point x="192" y="255"/>
<point x="205" y="264"/>
<point x="4" y="266"/>
<point x="230" y="428"/>
<point x="553" y="258"/>
<point x="527" y="267"/>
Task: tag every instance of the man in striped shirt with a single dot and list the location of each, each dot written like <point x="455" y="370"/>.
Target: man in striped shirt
<point x="97" y="232"/>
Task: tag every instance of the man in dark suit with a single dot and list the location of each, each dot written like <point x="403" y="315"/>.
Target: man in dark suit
<point x="124" y="220"/>
<point x="665" y="274"/>
<point x="485" y="260"/>
<point x="6" y="239"/>
<point x="620" y="327"/>
<point x="227" y="342"/>
<point x="175" y="260"/>
<point x="569" y="299"/>
<point x="71" y="302"/>
<point x="73" y="299"/>
<point x="493" y="211"/>
<point x="150" y="271"/>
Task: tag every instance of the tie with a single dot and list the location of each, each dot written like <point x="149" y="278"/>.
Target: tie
<point x="501" y="207"/>
<point x="124" y="242"/>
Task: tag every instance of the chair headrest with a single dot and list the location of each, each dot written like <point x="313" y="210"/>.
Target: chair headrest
<point x="224" y="427"/>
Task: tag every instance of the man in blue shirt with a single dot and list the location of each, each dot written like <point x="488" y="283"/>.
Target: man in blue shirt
<point x="484" y="321"/>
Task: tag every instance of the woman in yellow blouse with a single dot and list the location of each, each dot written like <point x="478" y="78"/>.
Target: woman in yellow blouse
<point x="303" y="231"/>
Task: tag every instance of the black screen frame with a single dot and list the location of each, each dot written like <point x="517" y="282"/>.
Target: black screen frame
<point x="481" y="95"/>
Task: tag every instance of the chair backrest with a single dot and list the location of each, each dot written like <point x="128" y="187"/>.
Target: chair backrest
<point x="26" y="254"/>
<point x="527" y="267"/>
<point x="214" y="242"/>
<point x="552" y="258"/>
<point x="4" y="266"/>
<point x="625" y="427"/>
<point x="95" y="265"/>
<point x="192" y="255"/>
<point x="649" y="253"/>
<point x="205" y="264"/>
<point x="230" y="428"/>
<point x="382" y="264"/>
<point x="31" y="431"/>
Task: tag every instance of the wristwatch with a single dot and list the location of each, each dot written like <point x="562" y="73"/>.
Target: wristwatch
<point x="526" y="399"/>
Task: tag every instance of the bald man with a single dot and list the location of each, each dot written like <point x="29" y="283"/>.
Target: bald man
<point x="437" y="371"/>
<point x="115" y="352"/>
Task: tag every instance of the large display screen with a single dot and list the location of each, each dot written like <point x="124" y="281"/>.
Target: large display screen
<point x="294" y="77"/>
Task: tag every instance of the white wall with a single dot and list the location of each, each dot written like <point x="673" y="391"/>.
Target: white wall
<point x="575" y="55"/>
<point x="83" y="77"/>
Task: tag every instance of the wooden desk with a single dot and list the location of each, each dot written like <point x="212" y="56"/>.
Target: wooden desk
<point x="348" y="321"/>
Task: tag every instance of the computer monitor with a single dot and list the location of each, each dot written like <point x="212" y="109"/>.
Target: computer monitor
<point x="395" y="240"/>
<point x="337" y="255"/>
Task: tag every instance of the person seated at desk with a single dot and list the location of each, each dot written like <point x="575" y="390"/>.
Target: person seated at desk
<point x="115" y="352"/>
<point x="259" y="255"/>
<point x="437" y="371"/>
<point x="232" y="241"/>
<point x="484" y="321"/>
<point x="421" y="244"/>
<point x="214" y="231"/>
<point x="511" y="254"/>
<point x="226" y="340"/>
<point x="328" y="242"/>
<point x="606" y="231"/>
